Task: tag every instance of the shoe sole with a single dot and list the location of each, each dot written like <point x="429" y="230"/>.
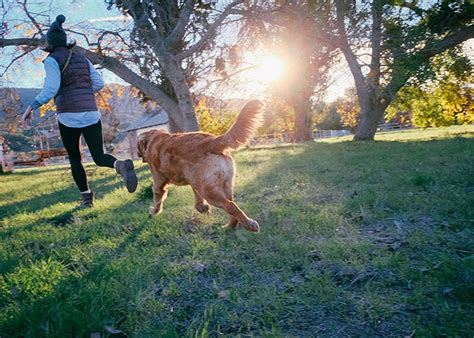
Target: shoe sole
<point x="131" y="180"/>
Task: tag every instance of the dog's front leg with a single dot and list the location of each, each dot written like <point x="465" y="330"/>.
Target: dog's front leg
<point x="160" y="191"/>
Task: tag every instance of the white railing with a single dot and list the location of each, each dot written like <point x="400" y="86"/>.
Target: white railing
<point x="330" y="133"/>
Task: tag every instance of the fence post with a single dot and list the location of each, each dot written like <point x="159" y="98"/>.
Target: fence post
<point x="2" y="163"/>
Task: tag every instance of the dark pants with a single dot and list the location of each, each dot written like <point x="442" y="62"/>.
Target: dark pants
<point x="93" y="136"/>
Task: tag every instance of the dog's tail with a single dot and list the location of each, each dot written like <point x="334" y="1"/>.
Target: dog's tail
<point x="243" y="129"/>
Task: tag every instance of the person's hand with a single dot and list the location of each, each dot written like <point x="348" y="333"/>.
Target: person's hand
<point x="26" y="118"/>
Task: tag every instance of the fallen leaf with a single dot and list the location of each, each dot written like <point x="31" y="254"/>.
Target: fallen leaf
<point x="447" y="291"/>
<point x="395" y="246"/>
<point x="224" y="294"/>
<point x="14" y="291"/>
<point x="297" y="279"/>
<point x="314" y="255"/>
<point x="398" y="225"/>
<point x="199" y="267"/>
<point x="112" y="330"/>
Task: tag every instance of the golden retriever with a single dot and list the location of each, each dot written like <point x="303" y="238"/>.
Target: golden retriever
<point x="203" y="161"/>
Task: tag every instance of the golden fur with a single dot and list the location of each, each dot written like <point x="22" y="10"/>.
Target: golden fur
<point x="203" y="161"/>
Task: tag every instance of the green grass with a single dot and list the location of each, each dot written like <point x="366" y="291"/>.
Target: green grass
<point x="365" y="239"/>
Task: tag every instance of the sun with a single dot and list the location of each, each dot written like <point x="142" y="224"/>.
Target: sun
<point x="261" y="71"/>
<point x="269" y="69"/>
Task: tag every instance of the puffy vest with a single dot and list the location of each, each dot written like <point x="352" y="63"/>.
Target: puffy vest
<point x="75" y="93"/>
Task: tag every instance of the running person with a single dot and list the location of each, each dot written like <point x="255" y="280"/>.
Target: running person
<point x="72" y="80"/>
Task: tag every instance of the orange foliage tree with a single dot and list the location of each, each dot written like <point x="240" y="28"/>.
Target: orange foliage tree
<point x="10" y="104"/>
<point x="211" y="122"/>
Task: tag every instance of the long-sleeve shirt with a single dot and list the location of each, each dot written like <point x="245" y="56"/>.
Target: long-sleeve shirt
<point x="52" y="82"/>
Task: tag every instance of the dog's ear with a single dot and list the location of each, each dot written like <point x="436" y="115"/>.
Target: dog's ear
<point x="142" y="145"/>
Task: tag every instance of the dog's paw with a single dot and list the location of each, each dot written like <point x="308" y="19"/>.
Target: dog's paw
<point x="230" y="226"/>
<point x="251" y="225"/>
<point x="153" y="212"/>
<point x="202" y="207"/>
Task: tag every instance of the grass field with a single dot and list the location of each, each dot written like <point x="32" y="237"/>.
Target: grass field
<point x="366" y="239"/>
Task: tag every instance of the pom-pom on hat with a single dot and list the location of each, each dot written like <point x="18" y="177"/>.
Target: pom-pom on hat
<point x="56" y="36"/>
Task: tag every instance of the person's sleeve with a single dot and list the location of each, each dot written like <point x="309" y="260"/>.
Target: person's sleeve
<point x="96" y="78"/>
<point x="52" y="82"/>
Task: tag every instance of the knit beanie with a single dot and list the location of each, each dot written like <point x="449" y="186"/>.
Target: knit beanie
<point x="56" y="36"/>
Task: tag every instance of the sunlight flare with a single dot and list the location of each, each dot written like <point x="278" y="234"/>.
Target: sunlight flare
<point x="269" y="69"/>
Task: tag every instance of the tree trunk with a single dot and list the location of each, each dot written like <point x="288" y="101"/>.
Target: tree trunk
<point x="175" y="74"/>
<point x="371" y="114"/>
<point x="172" y="126"/>
<point x="303" y="125"/>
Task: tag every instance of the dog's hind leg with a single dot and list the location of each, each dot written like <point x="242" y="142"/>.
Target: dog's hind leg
<point x="160" y="192"/>
<point x="201" y="205"/>
<point x="229" y="194"/>
<point x="232" y="223"/>
<point x="218" y="199"/>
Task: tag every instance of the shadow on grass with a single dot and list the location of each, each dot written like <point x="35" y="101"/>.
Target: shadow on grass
<point x="41" y="170"/>
<point x="33" y="314"/>
<point x="65" y="195"/>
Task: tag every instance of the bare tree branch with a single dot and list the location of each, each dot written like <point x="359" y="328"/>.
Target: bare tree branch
<point x="352" y="61"/>
<point x="14" y="60"/>
<point x="143" y="25"/>
<point x="178" y="32"/>
<point x="432" y="48"/>
<point x="83" y="35"/>
<point x="412" y="6"/>
<point x="33" y="20"/>
<point x="376" y="44"/>
<point x="111" y="64"/>
<point x="21" y="42"/>
<point x="229" y="76"/>
<point x="209" y="33"/>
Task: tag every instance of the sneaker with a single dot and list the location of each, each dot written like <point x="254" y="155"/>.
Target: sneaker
<point x="126" y="170"/>
<point x="87" y="200"/>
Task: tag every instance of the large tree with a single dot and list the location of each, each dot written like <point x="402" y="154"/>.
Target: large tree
<point x="296" y="25"/>
<point x="161" y="54"/>
<point x="388" y="42"/>
<point x="289" y="29"/>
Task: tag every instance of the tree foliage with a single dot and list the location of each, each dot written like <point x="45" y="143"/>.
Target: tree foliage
<point x="389" y="43"/>
<point x="444" y="98"/>
<point x="342" y="113"/>
<point x="446" y="104"/>
<point x="327" y="117"/>
<point x="10" y="104"/>
<point x="216" y="124"/>
<point x="105" y="98"/>
<point x="279" y="119"/>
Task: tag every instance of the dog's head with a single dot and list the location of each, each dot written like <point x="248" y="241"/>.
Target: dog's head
<point x="143" y="141"/>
